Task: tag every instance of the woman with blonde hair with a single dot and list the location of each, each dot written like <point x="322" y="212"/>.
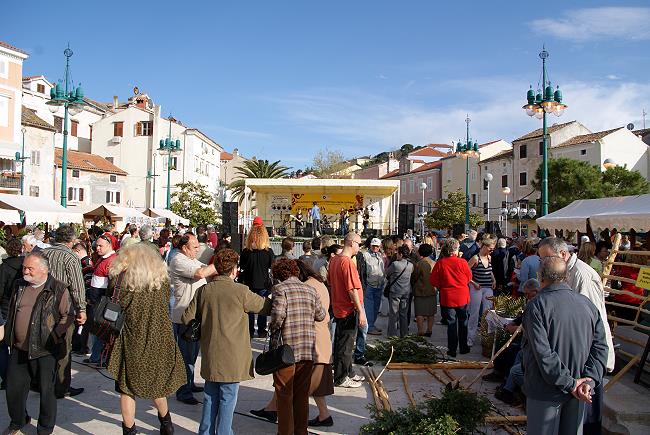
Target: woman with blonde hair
<point x="255" y="270"/>
<point x="145" y="360"/>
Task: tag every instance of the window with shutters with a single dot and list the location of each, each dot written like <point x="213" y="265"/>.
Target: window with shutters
<point x="40" y="88"/>
<point x="75" y="173"/>
<point x="541" y="148"/>
<point x="147" y="128"/>
<point x="118" y="129"/>
<point x="523" y="178"/>
<point x="75" y="194"/>
<point x="429" y="183"/>
<point x="504" y="181"/>
<point x="485" y="184"/>
<point x="33" y="191"/>
<point x="74" y="127"/>
<point x="174" y="163"/>
<point x="58" y="124"/>
<point x="485" y="208"/>
<point x="113" y="197"/>
<point x="523" y="151"/>
<point x="473" y="200"/>
<point x="35" y="158"/>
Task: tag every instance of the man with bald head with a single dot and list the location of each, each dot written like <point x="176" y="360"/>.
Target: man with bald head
<point x="564" y="353"/>
<point x="39" y="315"/>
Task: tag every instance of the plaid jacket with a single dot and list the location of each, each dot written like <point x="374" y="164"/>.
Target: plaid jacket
<point x="296" y="306"/>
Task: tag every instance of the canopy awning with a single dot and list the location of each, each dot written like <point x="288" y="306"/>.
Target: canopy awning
<point x="622" y="213"/>
<point x="319" y="185"/>
<point x="127" y="214"/>
<point x="36" y="209"/>
<point x="167" y="214"/>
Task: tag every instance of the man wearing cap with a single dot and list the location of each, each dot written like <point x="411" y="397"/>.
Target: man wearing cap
<point x="373" y="280"/>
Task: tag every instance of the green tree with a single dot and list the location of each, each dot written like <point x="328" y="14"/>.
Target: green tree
<point x="569" y="180"/>
<point x="406" y="148"/>
<point x="450" y="211"/>
<point x="619" y="181"/>
<point x="254" y="168"/>
<point x="192" y="201"/>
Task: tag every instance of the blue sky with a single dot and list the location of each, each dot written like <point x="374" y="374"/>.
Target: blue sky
<point x="285" y="79"/>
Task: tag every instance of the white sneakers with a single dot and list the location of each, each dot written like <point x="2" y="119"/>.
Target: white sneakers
<point x="352" y="382"/>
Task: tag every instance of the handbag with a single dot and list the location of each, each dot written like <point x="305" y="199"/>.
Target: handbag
<point x="274" y="359"/>
<point x="192" y="331"/>
<point x="108" y="316"/>
<point x="390" y="284"/>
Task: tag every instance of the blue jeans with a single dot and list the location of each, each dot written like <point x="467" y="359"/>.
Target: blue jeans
<point x="96" y="352"/>
<point x="219" y="400"/>
<point x="372" y="303"/>
<point x="360" y="346"/>
<point x="190" y="352"/>
<point x="456" y="318"/>
<point x="516" y="376"/>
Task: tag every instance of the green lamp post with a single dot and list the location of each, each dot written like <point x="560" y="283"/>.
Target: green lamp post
<point x="467" y="150"/>
<point x="169" y="146"/>
<point x="538" y="105"/>
<point x="72" y="101"/>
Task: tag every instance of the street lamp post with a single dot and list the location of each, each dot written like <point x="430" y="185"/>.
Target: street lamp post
<point x="151" y="175"/>
<point x="504" y="211"/>
<point x="20" y="157"/>
<point x="538" y="105"/>
<point x="488" y="179"/>
<point x="467" y="150"/>
<point x="169" y="146"/>
<point x="72" y="102"/>
<point x="423" y="187"/>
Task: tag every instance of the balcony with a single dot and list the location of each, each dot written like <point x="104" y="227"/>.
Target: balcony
<point x="10" y="181"/>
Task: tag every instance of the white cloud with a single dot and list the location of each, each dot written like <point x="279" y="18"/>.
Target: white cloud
<point x="372" y="123"/>
<point x="628" y="23"/>
<point x="613" y="77"/>
<point x="382" y="77"/>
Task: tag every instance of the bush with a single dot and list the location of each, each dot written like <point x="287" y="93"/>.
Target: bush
<point x="411" y="349"/>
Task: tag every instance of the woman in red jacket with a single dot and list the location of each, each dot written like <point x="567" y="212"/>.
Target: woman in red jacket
<point x="451" y="276"/>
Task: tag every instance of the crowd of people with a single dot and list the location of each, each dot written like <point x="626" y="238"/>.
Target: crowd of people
<point x="323" y="304"/>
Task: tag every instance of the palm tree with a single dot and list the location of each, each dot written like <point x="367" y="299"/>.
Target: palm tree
<point x="254" y="168"/>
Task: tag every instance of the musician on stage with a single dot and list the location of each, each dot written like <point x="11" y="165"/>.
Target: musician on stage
<point x="343" y="222"/>
<point x="366" y="219"/>
<point x="299" y="223"/>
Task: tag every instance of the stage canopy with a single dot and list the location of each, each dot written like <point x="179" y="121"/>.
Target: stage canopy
<point x="278" y="200"/>
<point x="36" y="209"/>
<point x="167" y="214"/>
<point x="623" y="213"/>
<point x="120" y="215"/>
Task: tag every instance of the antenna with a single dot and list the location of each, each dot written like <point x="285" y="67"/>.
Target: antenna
<point x="644" y="114"/>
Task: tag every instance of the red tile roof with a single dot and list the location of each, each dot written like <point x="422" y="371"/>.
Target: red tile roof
<point x="11" y="47"/>
<point x="586" y="138"/>
<point x="226" y="156"/>
<point x="427" y="166"/>
<point x="390" y="174"/>
<point x="507" y="154"/>
<point x="33" y="77"/>
<point x="539" y="131"/>
<point x="87" y="162"/>
<point x="427" y="152"/>
<point x="31" y="119"/>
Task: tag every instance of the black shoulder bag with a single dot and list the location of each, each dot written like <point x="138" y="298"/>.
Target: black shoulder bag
<point x="108" y="317"/>
<point x="192" y="331"/>
<point x="390" y="284"/>
<point x="274" y="359"/>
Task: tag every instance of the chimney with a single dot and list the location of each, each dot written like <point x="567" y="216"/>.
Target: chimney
<point x="156" y="111"/>
<point x="115" y="102"/>
<point x="235" y="152"/>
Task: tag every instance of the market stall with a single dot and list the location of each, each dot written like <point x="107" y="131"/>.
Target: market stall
<point x="119" y="216"/>
<point x="36" y="210"/>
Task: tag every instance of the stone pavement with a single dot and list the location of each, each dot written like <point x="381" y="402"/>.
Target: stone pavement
<point x="96" y="411"/>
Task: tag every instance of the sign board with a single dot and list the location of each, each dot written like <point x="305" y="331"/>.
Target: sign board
<point x="643" y="280"/>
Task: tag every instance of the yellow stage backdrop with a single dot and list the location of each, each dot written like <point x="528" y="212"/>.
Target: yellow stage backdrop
<point x="328" y="203"/>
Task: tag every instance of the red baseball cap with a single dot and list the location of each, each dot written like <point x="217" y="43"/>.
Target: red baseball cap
<point x="258" y="221"/>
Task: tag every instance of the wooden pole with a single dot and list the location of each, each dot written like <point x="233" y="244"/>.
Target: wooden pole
<point x="407" y="389"/>
<point x="504" y="347"/>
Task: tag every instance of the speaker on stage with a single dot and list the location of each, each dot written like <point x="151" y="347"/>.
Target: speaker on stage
<point x="492" y="227"/>
<point x="236" y="242"/>
<point x="406" y="218"/>
<point x="229" y="217"/>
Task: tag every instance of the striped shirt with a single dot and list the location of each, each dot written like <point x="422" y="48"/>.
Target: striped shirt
<point x="482" y="275"/>
<point x="65" y="266"/>
<point x="296" y="307"/>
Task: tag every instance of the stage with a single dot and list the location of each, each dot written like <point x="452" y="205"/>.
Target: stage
<point x="284" y="204"/>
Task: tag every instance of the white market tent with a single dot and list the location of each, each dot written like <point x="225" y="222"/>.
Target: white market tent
<point x="167" y="214"/>
<point x="121" y="216"/>
<point x="36" y="209"/>
<point x="622" y="212"/>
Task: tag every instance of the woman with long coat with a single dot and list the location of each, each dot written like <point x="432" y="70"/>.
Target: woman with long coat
<point x="145" y="360"/>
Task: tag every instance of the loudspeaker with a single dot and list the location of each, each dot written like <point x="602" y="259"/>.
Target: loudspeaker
<point x="328" y="231"/>
<point x="492" y="227"/>
<point x="406" y="218"/>
<point x="230" y="217"/>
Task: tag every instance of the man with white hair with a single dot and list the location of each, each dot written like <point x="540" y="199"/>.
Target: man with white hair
<point x="39" y="316"/>
<point x="586" y="281"/>
<point x="146" y="234"/>
<point x="29" y="243"/>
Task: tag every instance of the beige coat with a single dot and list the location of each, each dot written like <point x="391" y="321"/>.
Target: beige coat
<point x="225" y="341"/>
<point x="420" y="278"/>
<point x="323" y="343"/>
